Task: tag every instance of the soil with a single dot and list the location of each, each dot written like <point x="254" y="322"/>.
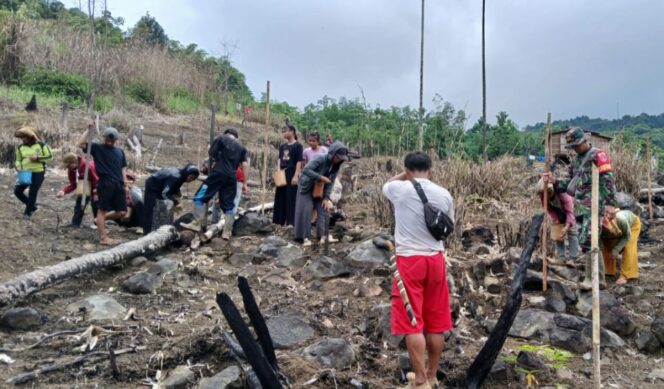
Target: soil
<point x="181" y="323"/>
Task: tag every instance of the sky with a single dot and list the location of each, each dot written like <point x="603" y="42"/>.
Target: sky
<point x="568" y="57"/>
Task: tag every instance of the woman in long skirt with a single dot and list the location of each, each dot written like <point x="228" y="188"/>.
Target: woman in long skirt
<point x="290" y="160"/>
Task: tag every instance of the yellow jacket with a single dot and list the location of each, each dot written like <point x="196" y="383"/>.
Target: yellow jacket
<point x="25" y="152"/>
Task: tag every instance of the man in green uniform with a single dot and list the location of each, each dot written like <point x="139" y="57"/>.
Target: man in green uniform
<point x="579" y="185"/>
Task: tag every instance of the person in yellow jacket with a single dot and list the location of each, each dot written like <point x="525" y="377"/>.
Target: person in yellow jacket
<point x="31" y="158"/>
<point x="620" y="235"/>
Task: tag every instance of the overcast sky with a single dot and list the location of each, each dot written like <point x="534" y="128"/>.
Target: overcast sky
<point x="569" y="57"/>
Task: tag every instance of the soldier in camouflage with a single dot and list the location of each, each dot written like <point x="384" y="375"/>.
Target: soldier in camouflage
<point x="579" y="185"/>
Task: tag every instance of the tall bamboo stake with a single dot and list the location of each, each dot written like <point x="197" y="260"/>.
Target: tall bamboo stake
<point x="545" y="225"/>
<point x="649" y="170"/>
<point x="88" y="158"/>
<point x="594" y="241"/>
<point x="265" y="142"/>
<point x="213" y="124"/>
<point x="420" y="132"/>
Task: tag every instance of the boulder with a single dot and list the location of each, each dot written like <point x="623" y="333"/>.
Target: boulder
<point x="186" y="237"/>
<point x="529" y="361"/>
<point x="229" y="378"/>
<point x="270" y="246"/>
<point x="142" y="283"/>
<point x="614" y="317"/>
<point x="478" y="234"/>
<point x="290" y="255"/>
<point x="324" y="268"/>
<point x="138" y="261"/>
<point x="163" y="266"/>
<point x="23" y="318"/>
<point x="657" y="328"/>
<point x="381" y="313"/>
<point x="252" y="223"/>
<point x="647" y="342"/>
<point x="560" y="330"/>
<point x="179" y="378"/>
<point x="332" y="353"/>
<point x="625" y="201"/>
<point x="278" y="276"/>
<point x="99" y="307"/>
<point x="289" y="330"/>
<point x="240" y="259"/>
<point x="367" y="255"/>
<point x="568" y="273"/>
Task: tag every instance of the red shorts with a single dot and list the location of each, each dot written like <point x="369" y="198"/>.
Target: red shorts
<point x="426" y="283"/>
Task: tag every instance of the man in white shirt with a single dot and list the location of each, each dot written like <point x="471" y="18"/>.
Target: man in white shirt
<point x="421" y="263"/>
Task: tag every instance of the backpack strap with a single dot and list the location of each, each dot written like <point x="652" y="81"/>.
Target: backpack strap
<point x="420" y="191"/>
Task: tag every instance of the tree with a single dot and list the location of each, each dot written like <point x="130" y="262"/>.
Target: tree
<point x="149" y="30"/>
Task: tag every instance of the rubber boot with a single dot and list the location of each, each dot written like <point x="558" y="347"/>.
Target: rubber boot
<point x="560" y="249"/>
<point x="228" y="226"/>
<point x="200" y="219"/>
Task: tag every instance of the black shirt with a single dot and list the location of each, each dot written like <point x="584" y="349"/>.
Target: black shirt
<point x="227" y="154"/>
<point x="109" y="161"/>
<point x="290" y="155"/>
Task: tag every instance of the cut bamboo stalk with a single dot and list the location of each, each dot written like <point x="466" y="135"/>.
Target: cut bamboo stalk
<point x="594" y="242"/>
<point x="265" y="144"/>
<point x="545" y="225"/>
<point x="649" y="171"/>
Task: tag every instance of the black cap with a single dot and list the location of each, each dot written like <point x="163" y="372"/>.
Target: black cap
<point x="342" y="153"/>
<point x="232" y="131"/>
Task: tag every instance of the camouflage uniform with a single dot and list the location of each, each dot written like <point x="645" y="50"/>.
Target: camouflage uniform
<point x="581" y="170"/>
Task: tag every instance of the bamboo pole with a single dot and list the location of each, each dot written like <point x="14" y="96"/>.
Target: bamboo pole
<point x="649" y="171"/>
<point x="88" y="158"/>
<point x="545" y="225"/>
<point x="213" y="124"/>
<point x="265" y="148"/>
<point x="594" y="241"/>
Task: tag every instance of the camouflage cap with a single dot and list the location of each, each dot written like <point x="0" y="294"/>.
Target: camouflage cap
<point x="574" y="136"/>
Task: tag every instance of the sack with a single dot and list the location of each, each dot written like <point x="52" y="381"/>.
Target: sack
<point x="556" y="232"/>
<point x="438" y="223"/>
<point x="318" y="190"/>
<point x="279" y="178"/>
<point x="24" y="177"/>
<point x="83" y="186"/>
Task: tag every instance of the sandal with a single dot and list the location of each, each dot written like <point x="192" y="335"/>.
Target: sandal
<point x="411" y="383"/>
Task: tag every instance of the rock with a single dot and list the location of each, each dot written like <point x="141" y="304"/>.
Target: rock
<point x="179" y="378"/>
<point x="324" y="268"/>
<point x="625" y="201"/>
<point x="614" y="317"/>
<point x="279" y="276"/>
<point x="333" y="353"/>
<point x="240" y="259"/>
<point x="645" y="254"/>
<point x="229" y="378"/>
<point x="535" y="263"/>
<point x="142" y="283"/>
<point x="657" y="328"/>
<point x="252" y="223"/>
<point x="383" y="242"/>
<point x="533" y="281"/>
<point x="290" y="255"/>
<point x="138" y="261"/>
<point x="492" y="285"/>
<point x="647" y="342"/>
<point x="163" y="266"/>
<point x="498" y="372"/>
<point x="482" y="249"/>
<point x="270" y="246"/>
<point x="565" y="272"/>
<point x="529" y="361"/>
<point x="656" y="374"/>
<point x="554" y="302"/>
<point x="367" y="255"/>
<point x="383" y="326"/>
<point x="560" y="330"/>
<point x="186" y="237"/>
<point x="478" y="234"/>
<point x="23" y="318"/>
<point x="368" y="289"/>
<point x="289" y="330"/>
<point x="564" y="373"/>
<point x="514" y="254"/>
<point x="536" y="301"/>
<point x="99" y="307"/>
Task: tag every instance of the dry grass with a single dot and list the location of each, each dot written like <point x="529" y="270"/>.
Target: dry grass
<point x="629" y="167"/>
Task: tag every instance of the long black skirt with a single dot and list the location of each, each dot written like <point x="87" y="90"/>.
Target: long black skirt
<point x="284" y="201"/>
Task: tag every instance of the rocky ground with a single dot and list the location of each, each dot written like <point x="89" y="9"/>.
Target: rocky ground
<point x="328" y="316"/>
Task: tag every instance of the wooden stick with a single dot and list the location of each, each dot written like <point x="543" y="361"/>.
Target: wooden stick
<point x="594" y="242"/>
<point x="265" y="142"/>
<point x="545" y="225"/>
<point x="649" y="171"/>
<point x="212" y="124"/>
<point x="87" y="163"/>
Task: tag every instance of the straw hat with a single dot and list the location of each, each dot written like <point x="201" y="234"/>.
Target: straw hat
<point x="28" y="132"/>
<point x="68" y="159"/>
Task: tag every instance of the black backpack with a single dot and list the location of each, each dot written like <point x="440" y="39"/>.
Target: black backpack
<point x="438" y="223"/>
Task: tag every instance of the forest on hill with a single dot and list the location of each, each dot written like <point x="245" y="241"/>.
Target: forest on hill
<point x="90" y="58"/>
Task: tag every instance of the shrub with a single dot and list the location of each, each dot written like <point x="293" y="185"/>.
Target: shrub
<point x="103" y="103"/>
<point x="180" y="101"/>
<point x="71" y="86"/>
<point x="141" y="91"/>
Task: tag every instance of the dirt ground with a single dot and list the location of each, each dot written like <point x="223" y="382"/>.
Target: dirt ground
<point x="181" y="323"/>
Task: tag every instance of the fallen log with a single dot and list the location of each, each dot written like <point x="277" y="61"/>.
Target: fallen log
<point x="482" y="364"/>
<point x="43" y="278"/>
